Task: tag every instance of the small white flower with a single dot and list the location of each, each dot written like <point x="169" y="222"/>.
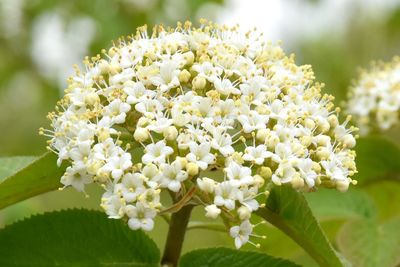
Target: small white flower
<point x="284" y="173"/>
<point x="140" y="217"/>
<point x="77" y="177"/>
<point x="241" y="233"/>
<point x="132" y="186"/>
<point x="173" y="175"/>
<point x="253" y="121"/>
<point x="117" y="110"/>
<point x="168" y="76"/>
<point x="222" y="142"/>
<point x="334" y="170"/>
<point x="157" y="153"/>
<point x="150" y="108"/>
<point x="283" y="151"/>
<point x="200" y="154"/>
<point x="207" y="70"/>
<point x="306" y="171"/>
<point x="226" y="194"/>
<point x="257" y="154"/>
<point x="136" y="92"/>
<point x="238" y="174"/>
<point x="225" y="87"/>
<point x="112" y="205"/>
<point x="118" y="164"/>
<point x="151" y="175"/>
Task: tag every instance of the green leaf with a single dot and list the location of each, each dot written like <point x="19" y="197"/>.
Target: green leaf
<point x="40" y="176"/>
<point x="222" y="257"/>
<point x="368" y="244"/>
<point x="331" y="204"/>
<point x="10" y="165"/>
<point x="376" y="158"/>
<point x="75" y="238"/>
<point x="288" y="210"/>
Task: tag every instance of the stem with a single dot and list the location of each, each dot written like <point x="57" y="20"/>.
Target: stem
<point x="176" y="235"/>
<point x="278" y="222"/>
<point x="209" y="226"/>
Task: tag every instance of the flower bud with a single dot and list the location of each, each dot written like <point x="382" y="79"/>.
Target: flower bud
<point x="349" y="140"/>
<point x="262" y="135"/>
<point x="183" y="161"/>
<point x="92" y="99"/>
<point x="189" y="57"/>
<point x="258" y="180"/>
<point x="184" y="76"/>
<point x="170" y="133"/>
<point x="212" y="211"/>
<point x="309" y="123"/>
<point x="244" y="213"/>
<point x="192" y="168"/>
<point x="333" y="120"/>
<point x="141" y="134"/>
<point x="342" y="186"/>
<point x="265" y="172"/>
<point x="206" y="184"/>
<point x="297" y="182"/>
<point x="199" y="83"/>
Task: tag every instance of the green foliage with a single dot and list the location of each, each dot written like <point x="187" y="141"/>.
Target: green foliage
<point x="10" y="165"/>
<point x="331" y="204"/>
<point x="75" y="238"/>
<point x="40" y="176"/>
<point x="377" y="158"/>
<point x="288" y="210"/>
<point x="369" y="244"/>
<point x="222" y="257"/>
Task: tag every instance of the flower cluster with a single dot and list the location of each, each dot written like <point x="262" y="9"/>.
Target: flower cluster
<point x="374" y="100"/>
<point x="211" y="109"/>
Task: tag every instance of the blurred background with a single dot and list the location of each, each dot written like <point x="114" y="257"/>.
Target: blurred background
<point x="40" y="40"/>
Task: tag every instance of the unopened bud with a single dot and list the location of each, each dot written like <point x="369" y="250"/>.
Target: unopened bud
<point x="141" y="134"/>
<point x="192" y="168"/>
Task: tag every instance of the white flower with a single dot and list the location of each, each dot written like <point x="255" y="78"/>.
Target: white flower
<point x="77" y="177"/>
<point x="257" y="154"/>
<point x="157" y="153"/>
<point x="168" y="76"/>
<point x="226" y="194"/>
<point x="132" y="186"/>
<point x="112" y="205"/>
<point x="374" y="100"/>
<point x="253" y="121"/>
<point x="241" y="233"/>
<point x="333" y="169"/>
<point x="200" y="154"/>
<point x="208" y="71"/>
<point x="117" y="110"/>
<point x="225" y="87"/>
<point x="238" y="174"/>
<point x="140" y="217"/>
<point x="136" y="92"/>
<point x="151" y="175"/>
<point x="284" y="173"/>
<point x="173" y="175"/>
<point x="225" y="109"/>
<point x="222" y="142"/>
<point x="118" y="164"/>
<point x="305" y="167"/>
<point x="150" y="107"/>
<point x="283" y="151"/>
